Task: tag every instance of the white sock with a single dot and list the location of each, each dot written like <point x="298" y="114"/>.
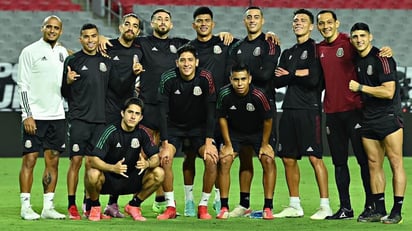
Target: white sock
<point x="217" y="194"/>
<point x="170" y="199"/>
<point x="188" y="192"/>
<point x="25" y="200"/>
<point x="324" y="202"/>
<point x="205" y="199"/>
<point x="295" y="202"/>
<point x="48" y="199"/>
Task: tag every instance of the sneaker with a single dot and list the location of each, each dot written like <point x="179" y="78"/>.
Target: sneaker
<point x="322" y="213"/>
<point x="170" y="213"/>
<point x="371" y="216"/>
<point x="27" y="213"/>
<point x="134" y="212"/>
<point x="74" y="213"/>
<point x="240" y="211"/>
<point x="217" y="205"/>
<point x="51" y="213"/>
<point x="113" y="211"/>
<point x="159" y="207"/>
<point x="342" y="213"/>
<point x="290" y="212"/>
<point x="392" y="219"/>
<point x="223" y="213"/>
<point x="95" y="212"/>
<point x="189" y="209"/>
<point x="202" y="213"/>
<point x="267" y="214"/>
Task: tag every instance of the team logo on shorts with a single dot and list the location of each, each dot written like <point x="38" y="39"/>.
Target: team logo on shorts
<point x="327" y="130"/>
<point x="340" y="52"/>
<point x="135" y="143"/>
<point x="217" y="50"/>
<point x="173" y="49"/>
<point x="197" y="91"/>
<point x="61" y="57"/>
<point x="280" y="147"/>
<point x="75" y="148"/>
<point x="28" y="144"/>
<point x="369" y="70"/>
<point x="257" y="51"/>
<point x="304" y="55"/>
<point x="102" y="67"/>
<point x="250" y="107"/>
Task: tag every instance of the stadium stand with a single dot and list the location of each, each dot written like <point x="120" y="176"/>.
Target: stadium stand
<point x="42" y="5"/>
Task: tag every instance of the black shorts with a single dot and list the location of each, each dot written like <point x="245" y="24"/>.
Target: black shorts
<point x="187" y="141"/>
<point x="50" y="134"/>
<point x="300" y="134"/>
<point x="253" y="139"/>
<point x="379" y="128"/>
<point x="119" y="185"/>
<point x="340" y="128"/>
<point x="82" y="137"/>
<point x="151" y="116"/>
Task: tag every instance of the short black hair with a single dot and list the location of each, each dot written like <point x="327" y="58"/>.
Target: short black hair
<point x="254" y="8"/>
<point x="88" y="26"/>
<point x="130" y="15"/>
<point x="238" y="67"/>
<point x="304" y="11"/>
<point x="133" y="100"/>
<point x="160" y="10"/>
<point x="360" y="26"/>
<point x="325" y="12"/>
<point x="203" y="10"/>
<point x="187" y="48"/>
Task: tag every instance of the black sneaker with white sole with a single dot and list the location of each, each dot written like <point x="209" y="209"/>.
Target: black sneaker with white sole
<point x="342" y="213"/>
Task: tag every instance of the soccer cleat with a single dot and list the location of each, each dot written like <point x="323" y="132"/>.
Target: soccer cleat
<point x="217" y="205"/>
<point x="27" y="213"/>
<point x="189" y="209"/>
<point x="202" y="213"/>
<point x="267" y="214"/>
<point x="240" y="211"/>
<point x="74" y="213"/>
<point x="365" y="212"/>
<point x="159" y="207"/>
<point x="169" y="213"/>
<point x="371" y="216"/>
<point x="51" y="213"/>
<point x="223" y="213"/>
<point x="342" y="213"/>
<point x="134" y="212"/>
<point x="290" y="212"/>
<point x="95" y="212"/>
<point x="113" y="211"/>
<point x="392" y="219"/>
<point x="322" y="213"/>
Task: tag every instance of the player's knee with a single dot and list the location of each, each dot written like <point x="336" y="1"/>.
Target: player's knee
<point x="93" y="175"/>
<point x="158" y="175"/>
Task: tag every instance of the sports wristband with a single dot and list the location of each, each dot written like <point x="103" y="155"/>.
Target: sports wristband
<point x="360" y="87"/>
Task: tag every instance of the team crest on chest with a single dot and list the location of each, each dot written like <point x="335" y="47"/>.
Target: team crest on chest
<point x="61" y="57"/>
<point x="304" y="55"/>
<point x="257" y="51"/>
<point x="197" y="91"/>
<point x="135" y="143"/>
<point x="102" y="67"/>
<point x="340" y="52"/>
<point x="217" y="50"/>
<point x="369" y="70"/>
<point x="173" y="49"/>
<point x="250" y="107"/>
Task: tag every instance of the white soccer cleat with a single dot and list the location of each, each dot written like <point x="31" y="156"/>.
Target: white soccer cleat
<point x="51" y="213"/>
<point x="240" y="211"/>
<point x="28" y="214"/>
<point x="290" y="212"/>
<point x="322" y="213"/>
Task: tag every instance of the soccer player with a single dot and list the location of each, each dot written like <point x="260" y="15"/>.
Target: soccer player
<point x="117" y="165"/>
<point x="187" y="105"/>
<point x="382" y="125"/>
<point x="342" y="109"/>
<point x="123" y="53"/>
<point x="239" y="102"/>
<point x="299" y="126"/>
<point x="261" y="56"/>
<point x="40" y="73"/>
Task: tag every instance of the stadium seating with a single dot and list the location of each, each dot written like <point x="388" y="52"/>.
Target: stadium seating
<point x="39" y="5"/>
